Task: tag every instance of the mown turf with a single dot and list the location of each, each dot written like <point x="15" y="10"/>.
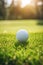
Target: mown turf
<point x="12" y="52"/>
<point x="12" y="26"/>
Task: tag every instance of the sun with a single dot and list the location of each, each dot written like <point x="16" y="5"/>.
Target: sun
<point x="25" y="2"/>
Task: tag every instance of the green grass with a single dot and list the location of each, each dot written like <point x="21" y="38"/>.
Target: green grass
<point x="14" y="25"/>
<point x="12" y="52"/>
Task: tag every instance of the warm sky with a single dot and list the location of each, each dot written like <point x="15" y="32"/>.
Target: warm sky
<point x="24" y="3"/>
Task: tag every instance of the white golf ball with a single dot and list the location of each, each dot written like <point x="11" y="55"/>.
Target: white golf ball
<point x="22" y="35"/>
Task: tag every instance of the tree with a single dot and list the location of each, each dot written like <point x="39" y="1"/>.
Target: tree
<point x="42" y="9"/>
<point x="18" y="10"/>
<point x="2" y="9"/>
<point x="11" y="9"/>
<point x="39" y="9"/>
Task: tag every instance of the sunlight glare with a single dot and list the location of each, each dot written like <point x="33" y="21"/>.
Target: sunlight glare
<point x="39" y="3"/>
<point x="25" y="2"/>
<point x="8" y="2"/>
<point x="15" y="2"/>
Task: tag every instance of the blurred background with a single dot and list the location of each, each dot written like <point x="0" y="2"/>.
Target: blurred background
<point x="21" y="9"/>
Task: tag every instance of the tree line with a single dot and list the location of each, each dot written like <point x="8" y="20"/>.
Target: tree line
<point x="16" y="12"/>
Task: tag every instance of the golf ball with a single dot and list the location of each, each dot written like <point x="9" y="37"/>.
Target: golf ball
<point x="22" y="35"/>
